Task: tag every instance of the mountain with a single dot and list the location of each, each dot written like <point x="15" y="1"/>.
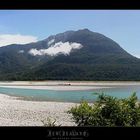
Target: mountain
<point x="72" y="55"/>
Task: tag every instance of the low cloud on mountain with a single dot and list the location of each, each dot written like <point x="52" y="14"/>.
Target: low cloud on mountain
<point x="60" y="47"/>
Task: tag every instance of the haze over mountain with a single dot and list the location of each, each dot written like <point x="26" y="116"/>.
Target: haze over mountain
<point x="72" y="55"/>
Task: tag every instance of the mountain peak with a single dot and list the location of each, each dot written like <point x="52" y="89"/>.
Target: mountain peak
<point x="85" y="29"/>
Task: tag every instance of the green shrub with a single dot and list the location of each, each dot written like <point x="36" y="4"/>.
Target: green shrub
<point x="108" y="111"/>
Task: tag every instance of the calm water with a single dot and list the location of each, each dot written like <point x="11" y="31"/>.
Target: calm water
<point x="71" y="96"/>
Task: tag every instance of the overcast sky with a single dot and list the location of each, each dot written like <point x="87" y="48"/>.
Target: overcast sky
<point x="24" y="26"/>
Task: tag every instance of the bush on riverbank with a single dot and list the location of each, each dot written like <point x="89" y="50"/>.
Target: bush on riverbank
<point x="108" y="111"/>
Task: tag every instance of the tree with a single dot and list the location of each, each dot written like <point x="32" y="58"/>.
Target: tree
<point x="108" y="111"/>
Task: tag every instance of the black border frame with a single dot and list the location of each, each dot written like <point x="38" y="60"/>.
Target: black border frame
<point x="70" y="4"/>
<point x="90" y="132"/>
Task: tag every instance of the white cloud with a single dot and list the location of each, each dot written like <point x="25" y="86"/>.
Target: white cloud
<point x="35" y="52"/>
<point x="57" y="48"/>
<point x="7" y="39"/>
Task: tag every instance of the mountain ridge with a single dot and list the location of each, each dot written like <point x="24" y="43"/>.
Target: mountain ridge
<point x="72" y="55"/>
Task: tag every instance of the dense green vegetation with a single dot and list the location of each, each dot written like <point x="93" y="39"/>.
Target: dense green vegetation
<point x="78" y="72"/>
<point x="108" y="111"/>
